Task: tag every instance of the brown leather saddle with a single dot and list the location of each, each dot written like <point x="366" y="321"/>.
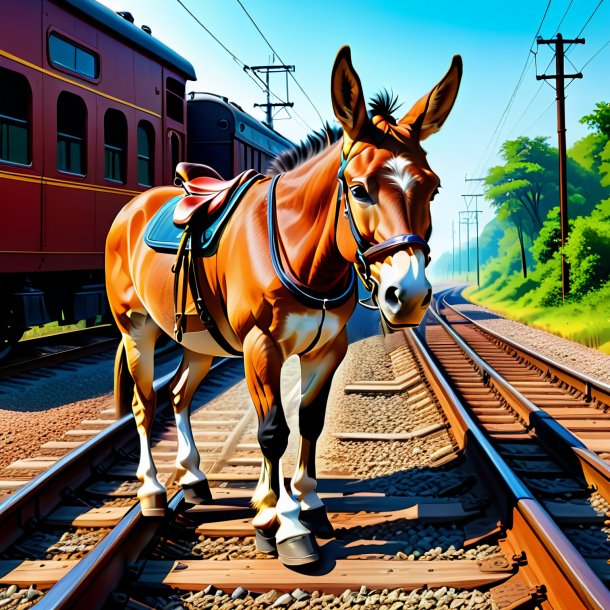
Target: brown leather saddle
<point x="202" y="214"/>
<point x="206" y="192"/>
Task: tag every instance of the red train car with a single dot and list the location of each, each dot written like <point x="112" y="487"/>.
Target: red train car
<point x="92" y="112"/>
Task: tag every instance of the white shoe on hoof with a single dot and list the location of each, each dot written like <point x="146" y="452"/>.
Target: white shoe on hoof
<point x="153" y="505"/>
<point x="298" y="550"/>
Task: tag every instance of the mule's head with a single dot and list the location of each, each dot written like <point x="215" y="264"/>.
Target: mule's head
<point x="388" y="187"/>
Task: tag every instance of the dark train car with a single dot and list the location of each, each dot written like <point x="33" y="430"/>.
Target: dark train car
<point x="222" y="135"/>
<point x="92" y="112"/>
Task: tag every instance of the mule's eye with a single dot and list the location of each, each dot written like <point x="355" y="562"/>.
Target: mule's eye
<point x="360" y="193"/>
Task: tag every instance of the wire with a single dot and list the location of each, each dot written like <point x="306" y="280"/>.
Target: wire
<point x="262" y="87"/>
<point x="239" y="61"/>
<point x="589" y="19"/>
<point x="582" y="29"/>
<point x="281" y="60"/>
<point x="541" y="115"/>
<point x="596" y="54"/>
<point x="495" y="136"/>
<point x="561" y="21"/>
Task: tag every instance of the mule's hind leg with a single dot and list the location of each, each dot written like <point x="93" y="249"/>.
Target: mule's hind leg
<point x="193" y="369"/>
<point x="140" y="348"/>
<point x="317" y="369"/>
<point x="295" y="544"/>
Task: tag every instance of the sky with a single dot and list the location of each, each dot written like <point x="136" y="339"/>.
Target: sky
<point x="404" y="46"/>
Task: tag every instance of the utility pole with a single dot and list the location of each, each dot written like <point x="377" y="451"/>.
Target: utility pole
<point x="266" y="71"/>
<point x="468" y="201"/>
<point x="559" y="78"/>
<point x="453" y="249"/>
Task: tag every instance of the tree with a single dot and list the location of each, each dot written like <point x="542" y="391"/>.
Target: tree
<point x="525" y="187"/>
<point x="599" y="122"/>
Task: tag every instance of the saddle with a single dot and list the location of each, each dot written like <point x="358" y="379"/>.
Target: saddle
<point x="206" y="192"/>
<point x="201" y="216"/>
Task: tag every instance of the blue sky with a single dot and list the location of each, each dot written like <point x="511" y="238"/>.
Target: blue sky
<point x="405" y="46"/>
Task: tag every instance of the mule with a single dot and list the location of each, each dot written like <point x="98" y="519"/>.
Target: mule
<point x="281" y="282"/>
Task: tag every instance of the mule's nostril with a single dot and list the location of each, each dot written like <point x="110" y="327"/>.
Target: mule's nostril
<point x="391" y="297"/>
<point x="427" y="298"/>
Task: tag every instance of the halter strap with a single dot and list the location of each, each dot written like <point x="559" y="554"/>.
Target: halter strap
<point x="303" y="293"/>
<point x="366" y="254"/>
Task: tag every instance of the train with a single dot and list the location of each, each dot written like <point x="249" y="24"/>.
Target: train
<point x="93" y="111"/>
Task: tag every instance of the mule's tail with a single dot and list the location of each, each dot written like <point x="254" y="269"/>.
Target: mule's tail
<point x="123" y="383"/>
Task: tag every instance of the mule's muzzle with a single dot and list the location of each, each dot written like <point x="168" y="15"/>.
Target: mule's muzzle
<point x="404" y="291"/>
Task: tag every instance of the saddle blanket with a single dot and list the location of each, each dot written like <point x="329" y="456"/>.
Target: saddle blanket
<point x="163" y="235"/>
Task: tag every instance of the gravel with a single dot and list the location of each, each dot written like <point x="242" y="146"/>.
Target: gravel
<point x="406" y="411"/>
<point x="442" y="598"/>
<point x="15" y="597"/>
<point x="571" y="354"/>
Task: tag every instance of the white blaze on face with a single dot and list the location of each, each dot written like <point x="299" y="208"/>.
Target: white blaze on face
<point x="404" y="288"/>
<point x="397" y="171"/>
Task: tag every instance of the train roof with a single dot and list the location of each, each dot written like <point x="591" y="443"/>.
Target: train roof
<point x="253" y="130"/>
<point x="101" y="15"/>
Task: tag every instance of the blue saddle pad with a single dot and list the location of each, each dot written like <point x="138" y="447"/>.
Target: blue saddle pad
<point x="164" y="236"/>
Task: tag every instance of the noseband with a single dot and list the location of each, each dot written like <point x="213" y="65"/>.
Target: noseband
<point x="367" y="254"/>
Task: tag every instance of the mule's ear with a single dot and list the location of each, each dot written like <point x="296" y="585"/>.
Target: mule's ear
<point x="429" y="113"/>
<point x="347" y="96"/>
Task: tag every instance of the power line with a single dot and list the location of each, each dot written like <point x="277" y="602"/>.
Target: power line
<point x="589" y="19"/>
<point x="239" y="61"/>
<point x="561" y="20"/>
<point x="595" y="54"/>
<point x="280" y="59"/>
<point x="504" y="117"/>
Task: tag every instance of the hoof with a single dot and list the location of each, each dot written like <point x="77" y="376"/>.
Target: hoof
<point x="317" y="522"/>
<point x="154" y="505"/>
<point x="265" y="539"/>
<point x="197" y="493"/>
<point x="298" y="551"/>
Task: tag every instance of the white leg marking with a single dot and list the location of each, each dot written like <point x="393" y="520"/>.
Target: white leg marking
<point x="147" y="473"/>
<point x="288" y="510"/>
<point x="187" y="460"/>
<point x="264" y="498"/>
<point x="304" y="486"/>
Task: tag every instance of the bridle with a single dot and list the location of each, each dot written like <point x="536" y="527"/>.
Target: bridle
<point x="367" y="254"/>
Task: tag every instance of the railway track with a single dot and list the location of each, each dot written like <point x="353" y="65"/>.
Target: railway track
<point x="434" y="506"/>
<point x="51" y="350"/>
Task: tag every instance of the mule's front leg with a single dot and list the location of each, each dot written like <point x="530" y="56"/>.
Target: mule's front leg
<point x="317" y="369"/>
<point x="193" y="369"/>
<point x="277" y="519"/>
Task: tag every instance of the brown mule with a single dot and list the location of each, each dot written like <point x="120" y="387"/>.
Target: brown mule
<point x="281" y="283"/>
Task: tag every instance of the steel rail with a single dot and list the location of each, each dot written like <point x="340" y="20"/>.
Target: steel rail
<point x="578" y="458"/>
<point x="583" y="588"/>
<point x="590" y="387"/>
<point x="41" y="495"/>
<point x="100" y="571"/>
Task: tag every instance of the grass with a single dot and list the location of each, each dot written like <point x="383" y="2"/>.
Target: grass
<point x="586" y="322"/>
<point x="52" y="328"/>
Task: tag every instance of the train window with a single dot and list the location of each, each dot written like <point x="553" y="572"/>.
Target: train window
<point x="146" y="156"/>
<point x="115" y="145"/>
<point x="71" y="133"/>
<point x="65" y="54"/>
<point x="174" y="99"/>
<point x="15" y="102"/>
<point x="175" y="152"/>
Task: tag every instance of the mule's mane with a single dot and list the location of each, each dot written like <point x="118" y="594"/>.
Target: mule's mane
<point x="383" y="104"/>
<point x="309" y="147"/>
